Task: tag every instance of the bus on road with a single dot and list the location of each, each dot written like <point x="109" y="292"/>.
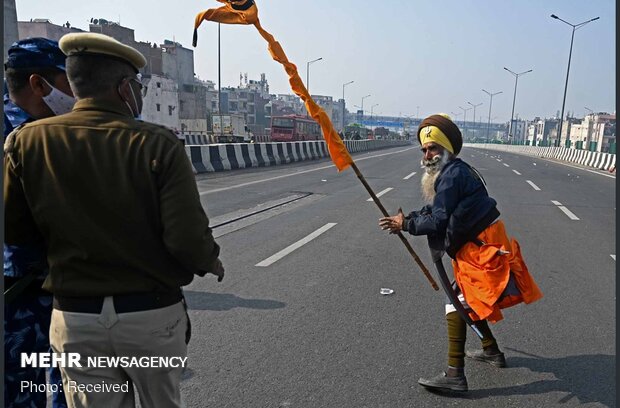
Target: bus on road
<point x="293" y="128"/>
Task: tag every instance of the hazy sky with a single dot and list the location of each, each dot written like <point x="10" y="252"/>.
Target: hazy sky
<point x="437" y="55"/>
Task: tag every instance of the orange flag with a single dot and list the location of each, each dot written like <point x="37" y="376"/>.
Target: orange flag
<point x="246" y="12"/>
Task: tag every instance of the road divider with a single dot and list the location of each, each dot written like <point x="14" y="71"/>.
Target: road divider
<point x="230" y="156"/>
<point x="599" y="160"/>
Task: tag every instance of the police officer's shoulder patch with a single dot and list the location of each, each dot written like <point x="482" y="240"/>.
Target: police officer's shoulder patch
<point x="9" y="142"/>
<point x="9" y="148"/>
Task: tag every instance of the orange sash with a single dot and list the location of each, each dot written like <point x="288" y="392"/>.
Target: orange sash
<point x="482" y="274"/>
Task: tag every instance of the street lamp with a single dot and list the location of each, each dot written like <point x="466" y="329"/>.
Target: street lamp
<point x="219" y="83"/>
<point x="490" y="105"/>
<point x="570" y="53"/>
<point x="474" y="106"/>
<point x="371" y="108"/>
<point x="456" y="115"/>
<point x="343" y="105"/>
<point x="514" y="98"/>
<point x="362" y="107"/>
<point x="308" y="73"/>
<point x="464" y="120"/>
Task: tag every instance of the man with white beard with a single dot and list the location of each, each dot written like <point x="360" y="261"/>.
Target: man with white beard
<point x="462" y="220"/>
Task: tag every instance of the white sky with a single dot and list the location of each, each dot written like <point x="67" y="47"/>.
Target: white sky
<point x="437" y="55"/>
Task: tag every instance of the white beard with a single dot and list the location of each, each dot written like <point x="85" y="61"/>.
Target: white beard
<point x="432" y="169"/>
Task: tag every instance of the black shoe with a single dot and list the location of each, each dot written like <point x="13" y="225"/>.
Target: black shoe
<point x="496" y="359"/>
<point x="445" y="383"/>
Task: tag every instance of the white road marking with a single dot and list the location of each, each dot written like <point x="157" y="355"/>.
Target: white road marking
<point x="381" y="193"/>
<point x="534" y="186"/>
<point x="517" y="173"/>
<point x="498" y="160"/>
<point x="249" y="183"/>
<point x="276" y="257"/>
<point x="613" y="257"/>
<point x="565" y="210"/>
<point x="506" y="165"/>
<point x="409" y="176"/>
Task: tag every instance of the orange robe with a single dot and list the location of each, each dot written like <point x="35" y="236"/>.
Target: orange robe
<point x="482" y="274"/>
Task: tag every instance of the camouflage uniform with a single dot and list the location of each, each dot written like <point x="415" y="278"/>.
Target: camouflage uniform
<point x="27" y="318"/>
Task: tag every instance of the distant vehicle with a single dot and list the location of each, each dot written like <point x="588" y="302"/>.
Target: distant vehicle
<point x="231" y="128"/>
<point x="357" y="132"/>
<point x="293" y="128"/>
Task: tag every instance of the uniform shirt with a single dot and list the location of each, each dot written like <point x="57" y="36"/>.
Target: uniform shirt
<point x="13" y="115"/>
<point x="19" y="261"/>
<point x="114" y="198"/>
<point x="461" y="209"/>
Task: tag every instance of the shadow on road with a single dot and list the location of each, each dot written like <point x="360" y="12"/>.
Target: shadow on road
<point x="590" y="378"/>
<point x="226" y="301"/>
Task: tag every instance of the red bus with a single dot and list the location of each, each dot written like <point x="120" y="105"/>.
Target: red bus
<point x="292" y="128"/>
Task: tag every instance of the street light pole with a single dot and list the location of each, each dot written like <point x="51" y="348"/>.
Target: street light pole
<point x="219" y="86"/>
<point x="514" y="98"/>
<point x="371" y="109"/>
<point x="474" y="106"/>
<point x="456" y="115"/>
<point x="570" y="53"/>
<point x="362" y="107"/>
<point x="490" y="105"/>
<point x="308" y="73"/>
<point x="343" y="106"/>
<point x="464" y="120"/>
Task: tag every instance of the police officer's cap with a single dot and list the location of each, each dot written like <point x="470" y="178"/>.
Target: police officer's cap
<point x="76" y="44"/>
<point x="35" y="52"/>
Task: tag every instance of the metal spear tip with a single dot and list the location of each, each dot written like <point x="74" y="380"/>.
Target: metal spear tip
<point x="554" y="16"/>
<point x="595" y="18"/>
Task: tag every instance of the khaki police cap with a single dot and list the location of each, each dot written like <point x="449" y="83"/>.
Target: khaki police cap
<point x="75" y="44"/>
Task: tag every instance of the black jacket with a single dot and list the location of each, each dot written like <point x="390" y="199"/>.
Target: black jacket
<point x="461" y="210"/>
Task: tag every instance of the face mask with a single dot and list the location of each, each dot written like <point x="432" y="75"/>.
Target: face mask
<point x="136" y="115"/>
<point x="58" y="101"/>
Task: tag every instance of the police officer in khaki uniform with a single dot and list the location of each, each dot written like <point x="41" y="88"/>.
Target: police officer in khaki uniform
<point x="115" y="200"/>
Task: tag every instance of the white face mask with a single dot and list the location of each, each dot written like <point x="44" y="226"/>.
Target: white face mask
<point x="58" y="101"/>
<point x="136" y="115"/>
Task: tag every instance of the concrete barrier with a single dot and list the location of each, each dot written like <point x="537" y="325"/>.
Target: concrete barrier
<point x="230" y="156"/>
<point x="602" y="161"/>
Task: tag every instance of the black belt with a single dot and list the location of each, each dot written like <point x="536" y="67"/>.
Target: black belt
<point x="136" y="302"/>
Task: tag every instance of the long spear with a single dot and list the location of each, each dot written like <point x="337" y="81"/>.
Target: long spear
<point x="245" y="12"/>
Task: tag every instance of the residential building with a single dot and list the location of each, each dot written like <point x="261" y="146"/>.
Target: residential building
<point x="160" y="102"/>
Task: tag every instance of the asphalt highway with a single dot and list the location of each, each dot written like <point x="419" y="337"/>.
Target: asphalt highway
<point x="299" y="320"/>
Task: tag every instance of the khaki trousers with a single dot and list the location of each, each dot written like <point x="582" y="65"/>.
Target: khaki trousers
<point x="159" y="332"/>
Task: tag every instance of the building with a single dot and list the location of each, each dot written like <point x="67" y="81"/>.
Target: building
<point x="159" y="104"/>
<point x="596" y="132"/>
<point x="542" y="132"/>
<point x="176" y="98"/>
<point x="519" y="132"/>
<point x="41" y="27"/>
<point x="11" y="31"/>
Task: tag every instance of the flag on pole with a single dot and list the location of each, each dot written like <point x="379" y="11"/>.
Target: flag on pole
<point x="245" y="12"/>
